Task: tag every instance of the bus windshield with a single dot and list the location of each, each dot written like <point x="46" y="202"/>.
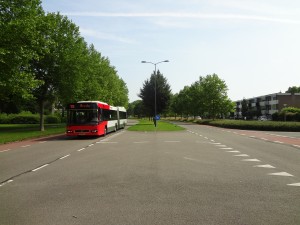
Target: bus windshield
<point x="83" y="116"/>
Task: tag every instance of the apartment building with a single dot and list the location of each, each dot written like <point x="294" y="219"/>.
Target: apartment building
<point x="269" y="104"/>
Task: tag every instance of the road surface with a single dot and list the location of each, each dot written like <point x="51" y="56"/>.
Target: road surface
<point x="203" y="175"/>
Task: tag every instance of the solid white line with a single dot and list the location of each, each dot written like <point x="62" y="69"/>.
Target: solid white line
<point x="7" y="182"/>
<point x="79" y="150"/>
<point x="40" y="167"/>
<point x="285" y="174"/>
<point x="64" y="156"/>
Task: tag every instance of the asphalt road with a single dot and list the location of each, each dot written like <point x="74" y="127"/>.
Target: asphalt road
<point x="203" y="175"/>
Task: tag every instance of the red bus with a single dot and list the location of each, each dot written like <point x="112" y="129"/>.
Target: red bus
<point x="94" y="118"/>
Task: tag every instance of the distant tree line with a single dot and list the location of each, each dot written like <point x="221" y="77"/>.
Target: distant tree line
<point x="206" y="98"/>
<point x="45" y="61"/>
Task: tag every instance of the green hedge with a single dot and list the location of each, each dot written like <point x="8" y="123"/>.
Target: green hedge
<point x="27" y="119"/>
<point x="254" y="125"/>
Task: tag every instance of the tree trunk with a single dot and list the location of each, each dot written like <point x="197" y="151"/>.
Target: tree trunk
<point x="41" y="105"/>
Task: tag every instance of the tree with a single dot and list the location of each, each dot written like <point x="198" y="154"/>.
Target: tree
<point x="19" y="43"/>
<point x="245" y="108"/>
<point x="163" y="94"/>
<point x="293" y="90"/>
<point x="214" y="95"/>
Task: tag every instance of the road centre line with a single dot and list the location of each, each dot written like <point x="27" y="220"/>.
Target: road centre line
<point x="36" y="169"/>
<point x="7" y="182"/>
<point x="79" y="150"/>
<point x="285" y="174"/>
<point x="64" y="156"/>
<point x="251" y="160"/>
<point x="268" y="166"/>
<point x="242" y="155"/>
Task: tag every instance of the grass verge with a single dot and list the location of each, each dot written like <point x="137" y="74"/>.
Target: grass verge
<point x="146" y="125"/>
<point x="19" y="132"/>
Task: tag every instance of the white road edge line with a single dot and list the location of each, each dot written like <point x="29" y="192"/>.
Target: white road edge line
<point x="295" y="184"/>
<point x="40" y="167"/>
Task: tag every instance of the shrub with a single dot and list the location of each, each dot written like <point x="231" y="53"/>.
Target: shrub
<point x="52" y="119"/>
<point x="33" y="119"/>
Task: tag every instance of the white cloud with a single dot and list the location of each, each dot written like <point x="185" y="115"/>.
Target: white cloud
<point x="105" y="36"/>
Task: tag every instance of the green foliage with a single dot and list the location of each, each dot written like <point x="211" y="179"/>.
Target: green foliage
<point x="206" y="98"/>
<point x="293" y="89"/>
<point x="254" y="125"/>
<point x="146" y="125"/>
<point x="27" y="118"/>
<point x="163" y="94"/>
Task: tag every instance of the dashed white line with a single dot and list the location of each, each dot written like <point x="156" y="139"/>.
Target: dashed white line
<point x="64" y="156"/>
<point x="172" y="141"/>
<point x="235" y="151"/>
<point x="226" y="148"/>
<point x="242" y="155"/>
<point x="265" y="166"/>
<point x="79" y="150"/>
<point x="42" y="142"/>
<point x="298" y="146"/>
<point x="90" y="145"/>
<point x="279" y="142"/>
<point x="251" y="160"/>
<point x="7" y="182"/>
<point x="141" y="142"/>
<point x="295" y="184"/>
<point x="41" y="167"/>
<point x="6" y="150"/>
<point x="285" y="174"/>
<point x="25" y="146"/>
<point x="264" y="139"/>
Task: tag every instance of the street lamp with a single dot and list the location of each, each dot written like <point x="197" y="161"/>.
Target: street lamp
<point x="155" y="82"/>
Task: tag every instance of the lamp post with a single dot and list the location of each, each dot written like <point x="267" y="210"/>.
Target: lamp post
<point x="155" y="82"/>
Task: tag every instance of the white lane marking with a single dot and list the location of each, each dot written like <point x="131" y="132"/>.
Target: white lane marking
<point x="264" y="139"/>
<point x="64" y="156"/>
<point x="221" y="145"/>
<point x="79" y="150"/>
<point x="90" y="145"/>
<point x="206" y="137"/>
<point x="24" y="146"/>
<point x="235" y="151"/>
<point x="285" y="174"/>
<point x="6" y="150"/>
<point x="265" y="166"/>
<point x="243" y="134"/>
<point x="107" y="142"/>
<point x="279" y="142"/>
<point x="252" y="136"/>
<point x="298" y="146"/>
<point x="42" y="142"/>
<point x="242" y="155"/>
<point x="226" y="148"/>
<point x="295" y="184"/>
<point x="36" y="169"/>
<point x="251" y="160"/>
<point x="141" y="142"/>
<point x="172" y="141"/>
<point x="215" y="143"/>
<point x="212" y="140"/>
<point x="187" y="158"/>
<point x="7" y="182"/>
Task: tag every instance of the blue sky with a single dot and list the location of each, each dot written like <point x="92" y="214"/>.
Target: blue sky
<point x="253" y="45"/>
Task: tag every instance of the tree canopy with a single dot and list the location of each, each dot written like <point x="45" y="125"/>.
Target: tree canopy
<point x="43" y="58"/>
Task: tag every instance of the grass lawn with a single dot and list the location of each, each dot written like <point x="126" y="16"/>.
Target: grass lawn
<point x="18" y="132"/>
<point x="146" y="125"/>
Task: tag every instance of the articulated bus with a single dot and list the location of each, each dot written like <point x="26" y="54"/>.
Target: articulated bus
<point x="94" y="118"/>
